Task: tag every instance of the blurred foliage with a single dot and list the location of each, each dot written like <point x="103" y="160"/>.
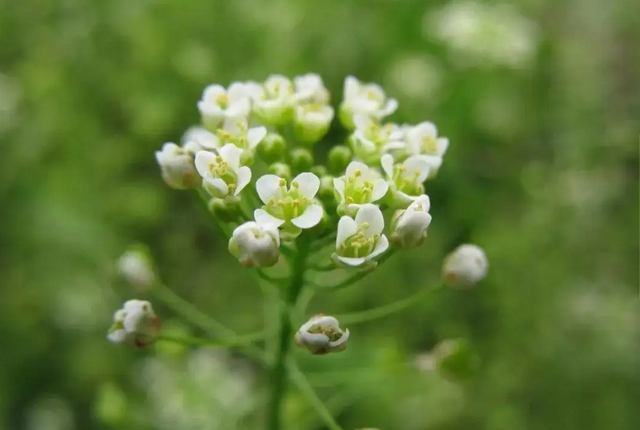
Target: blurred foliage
<point x="542" y="172"/>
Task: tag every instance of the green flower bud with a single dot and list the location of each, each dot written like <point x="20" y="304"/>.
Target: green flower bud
<point x="319" y="170"/>
<point x="272" y="148"/>
<point x="326" y="188"/>
<point x="247" y="158"/>
<point x="339" y="158"/>
<point x="456" y="359"/>
<point x="282" y="170"/>
<point x="301" y="160"/>
<point x="225" y="209"/>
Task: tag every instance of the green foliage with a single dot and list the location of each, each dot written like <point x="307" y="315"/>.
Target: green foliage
<point x="542" y="172"/>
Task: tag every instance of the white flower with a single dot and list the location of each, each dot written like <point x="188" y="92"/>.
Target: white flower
<point x="406" y="178"/>
<point x="255" y="245"/>
<point x="360" y="240"/>
<point x="364" y="99"/>
<point x="274" y="104"/>
<point x="293" y="208"/>
<point x="309" y="88"/>
<point x="322" y="335"/>
<point x="199" y="138"/>
<point x="176" y="165"/>
<point x="217" y="104"/>
<point x="410" y="225"/>
<point x="312" y="121"/>
<point x="237" y="131"/>
<point x="371" y="139"/>
<point x="221" y="173"/>
<point x="465" y="266"/>
<point x="422" y="140"/>
<point x="360" y="185"/>
<point x="135" y="266"/>
<point x="135" y="325"/>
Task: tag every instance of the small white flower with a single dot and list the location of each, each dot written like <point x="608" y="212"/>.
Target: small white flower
<point x="312" y="121"/>
<point x="410" y="225"/>
<point x="255" y="245"/>
<point x="237" y="131"/>
<point x="135" y="325"/>
<point x="135" y="266"/>
<point x="221" y="173"/>
<point x="293" y="208"/>
<point x="176" y="165"/>
<point x="322" y="335"/>
<point x="360" y="240"/>
<point x="371" y="140"/>
<point x="309" y="88"/>
<point x="199" y="138"/>
<point x="465" y="266"/>
<point x="360" y="185"/>
<point x="422" y="140"/>
<point x="406" y="178"/>
<point x="369" y="100"/>
<point x="274" y="104"/>
<point x="217" y="103"/>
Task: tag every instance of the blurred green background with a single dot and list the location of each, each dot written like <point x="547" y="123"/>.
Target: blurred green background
<point x="541" y="105"/>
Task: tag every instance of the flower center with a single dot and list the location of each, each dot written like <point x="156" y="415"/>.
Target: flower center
<point x="429" y="146"/>
<point x="220" y="169"/>
<point x="357" y="189"/>
<point x="287" y="203"/>
<point x="239" y="138"/>
<point x="222" y="100"/>
<point x="407" y="181"/>
<point x="358" y="245"/>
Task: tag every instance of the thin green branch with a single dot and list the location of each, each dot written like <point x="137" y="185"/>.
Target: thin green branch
<point x="195" y="341"/>
<point x="386" y="310"/>
<point x="319" y="244"/>
<point x="328" y="267"/>
<point x="268" y="278"/>
<point x="306" y="389"/>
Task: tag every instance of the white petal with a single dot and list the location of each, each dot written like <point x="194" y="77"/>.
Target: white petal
<point x="255" y="136"/>
<point x="386" y="161"/>
<point x="308" y="184"/>
<point x="394" y="144"/>
<point x="433" y="161"/>
<point x="351" y="87"/>
<point x="231" y="154"/>
<point x="310" y="218"/>
<point x="244" y="177"/>
<point x="267" y="186"/>
<point x="343" y="339"/>
<point x="404" y="198"/>
<point x="218" y="184"/>
<point x="442" y="144"/>
<point x="418" y="163"/>
<point x="347" y="227"/>
<point x="239" y="108"/>
<point x="423" y="201"/>
<point x="356" y="165"/>
<point x="380" y="188"/>
<point x="354" y="262"/>
<point x="211" y="93"/>
<point x="324" y="320"/>
<point x="361" y="121"/>
<point x="266" y="220"/>
<point x="389" y="108"/>
<point x="372" y="215"/>
<point x="313" y="339"/>
<point x="425" y="129"/>
<point x="338" y="185"/>
<point x="202" y="161"/>
<point x="381" y="246"/>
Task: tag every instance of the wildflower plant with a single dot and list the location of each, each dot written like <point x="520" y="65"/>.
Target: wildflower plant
<point x="290" y="220"/>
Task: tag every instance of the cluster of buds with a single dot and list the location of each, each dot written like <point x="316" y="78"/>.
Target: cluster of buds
<point x="382" y="166"/>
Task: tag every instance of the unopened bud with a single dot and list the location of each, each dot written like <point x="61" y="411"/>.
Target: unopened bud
<point x="272" y="148"/>
<point x="465" y="266"/>
<point x="319" y="170"/>
<point x="136" y="266"/>
<point x="301" y="160"/>
<point x="339" y="158"/>
<point x="135" y="325"/>
<point x="225" y="210"/>
<point x="322" y="335"/>
<point x="282" y="170"/>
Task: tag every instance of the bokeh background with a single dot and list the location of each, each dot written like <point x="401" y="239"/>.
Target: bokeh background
<point x="540" y="101"/>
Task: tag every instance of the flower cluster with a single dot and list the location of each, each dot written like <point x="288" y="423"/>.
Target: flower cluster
<point x="259" y="136"/>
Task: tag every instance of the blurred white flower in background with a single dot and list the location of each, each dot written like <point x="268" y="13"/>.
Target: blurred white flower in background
<point x="486" y="34"/>
<point x="417" y="77"/>
<point x="203" y="391"/>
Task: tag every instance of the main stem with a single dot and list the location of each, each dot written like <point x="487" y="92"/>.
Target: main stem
<point x="278" y="370"/>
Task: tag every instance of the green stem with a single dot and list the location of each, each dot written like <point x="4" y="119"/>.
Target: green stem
<point x="278" y="371"/>
<point x="386" y="310"/>
<point x="355" y="278"/>
<point x="238" y="341"/>
<point x="304" y="386"/>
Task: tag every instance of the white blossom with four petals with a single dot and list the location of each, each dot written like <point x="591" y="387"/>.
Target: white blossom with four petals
<point x="309" y="88"/>
<point x="255" y="245"/>
<point x="218" y="103"/>
<point x="368" y="100"/>
<point x="360" y="239"/>
<point x="409" y="226"/>
<point x="405" y="179"/>
<point x="371" y="140"/>
<point x="360" y="184"/>
<point x="292" y="208"/>
<point x="274" y="103"/>
<point x="422" y="141"/>
<point x="222" y="175"/>
<point x="322" y="335"/>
